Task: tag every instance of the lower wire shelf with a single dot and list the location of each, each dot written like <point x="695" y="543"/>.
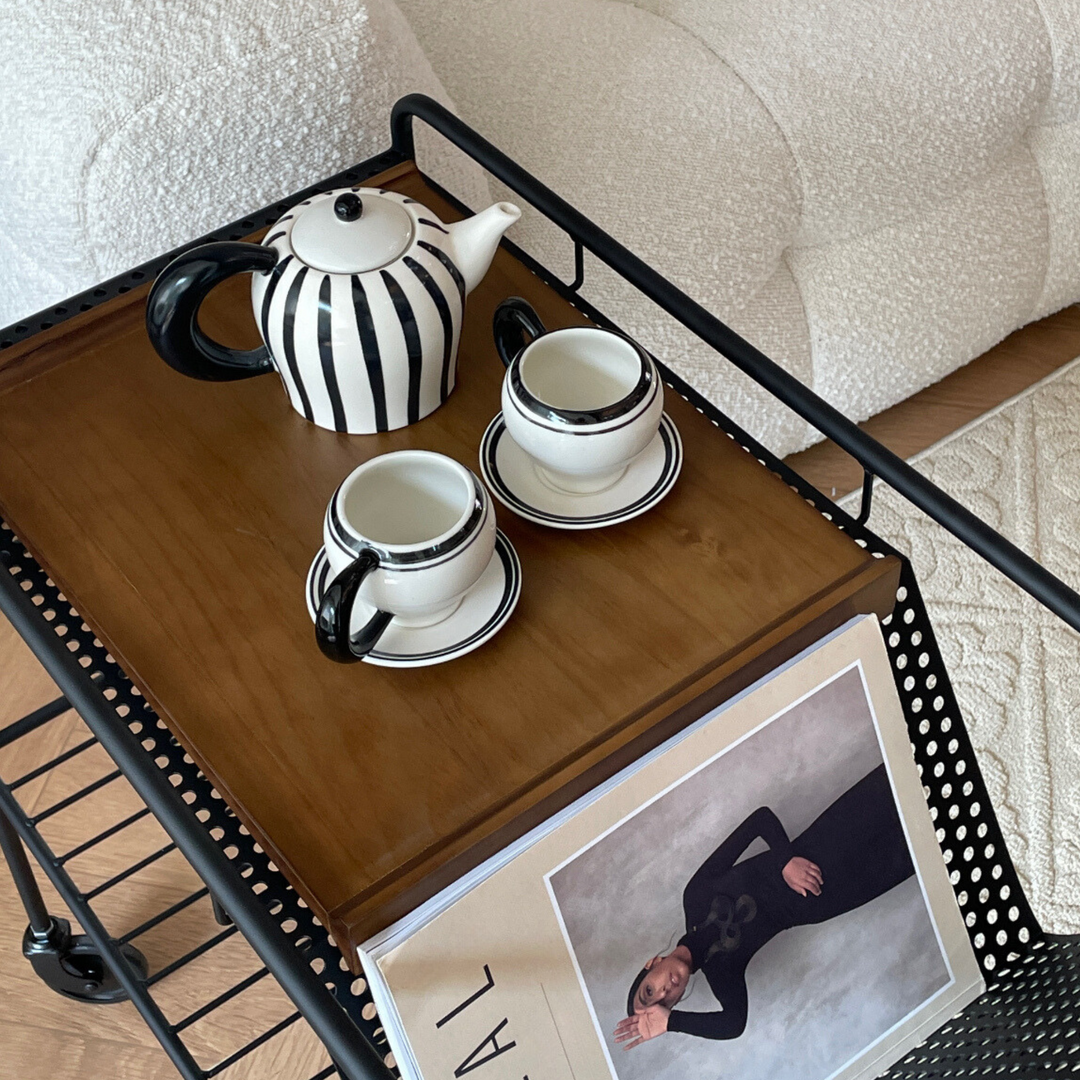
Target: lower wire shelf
<point x="210" y="985"/>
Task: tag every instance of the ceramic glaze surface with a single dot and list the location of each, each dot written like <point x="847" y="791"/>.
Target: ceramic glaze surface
<point x="395" y="507"/>
<point x="515" y="481"/>
<point x="358" y="294"/>
<point x="429" y="520"/>
<point x="580" y="368"/>
<point x="482" y="613"/>
<point x="582" y="403"/>
<point x="351" y="233"/>
<point x="363" y="352"/>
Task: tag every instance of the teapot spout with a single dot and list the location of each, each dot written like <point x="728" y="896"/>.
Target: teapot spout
<point x="472" y="242"/>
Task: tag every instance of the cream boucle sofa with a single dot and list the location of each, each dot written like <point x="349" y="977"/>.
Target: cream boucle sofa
<point x="872" y="194"/>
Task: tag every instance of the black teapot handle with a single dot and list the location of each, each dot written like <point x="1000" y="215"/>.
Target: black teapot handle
<point x="172" y="311"/>
<point x="335" y="614"/>
<point x="514" y="318"/>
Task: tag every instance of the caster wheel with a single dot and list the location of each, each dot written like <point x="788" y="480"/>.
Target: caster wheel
<point x="71" y="965"/>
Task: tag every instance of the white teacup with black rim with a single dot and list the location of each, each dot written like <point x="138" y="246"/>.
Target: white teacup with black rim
<point x="409" y="533"/>
<point x="581" y="401"/>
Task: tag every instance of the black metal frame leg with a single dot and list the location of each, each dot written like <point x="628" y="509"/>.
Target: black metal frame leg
<point x="41" y="921"/>
<point x="251" y="893"/>
<point x="221" y="916"/>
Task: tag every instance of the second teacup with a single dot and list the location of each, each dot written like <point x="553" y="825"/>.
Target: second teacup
<point x="581" y="401"/>
<point x="409" y="532"/>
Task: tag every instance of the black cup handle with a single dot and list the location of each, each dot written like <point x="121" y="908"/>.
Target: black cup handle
<point x="172" y="311"/>
<point x="335" y="614"/>
<point x="514" y="318"/>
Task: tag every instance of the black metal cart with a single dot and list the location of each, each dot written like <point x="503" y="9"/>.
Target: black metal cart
<point x="1028" y="1023"/>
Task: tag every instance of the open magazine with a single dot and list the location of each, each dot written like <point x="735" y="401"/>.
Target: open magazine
<point x="760" y="898"/>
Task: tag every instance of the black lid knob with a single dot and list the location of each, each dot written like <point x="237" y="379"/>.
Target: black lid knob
<point x="348" y="207"/>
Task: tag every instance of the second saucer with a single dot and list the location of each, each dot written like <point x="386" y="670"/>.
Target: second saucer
<point x="483" y="612"/>
<point x="512" y="477"/>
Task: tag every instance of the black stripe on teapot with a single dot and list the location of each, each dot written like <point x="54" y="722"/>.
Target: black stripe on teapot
<point x="358" y="294"/>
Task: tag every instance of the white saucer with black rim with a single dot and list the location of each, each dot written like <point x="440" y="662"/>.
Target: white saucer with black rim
<point x="513" y="478"/>
<point x="482" y="612"/>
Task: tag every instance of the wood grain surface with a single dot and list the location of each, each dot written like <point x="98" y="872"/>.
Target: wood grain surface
<point x="180" y="517"/>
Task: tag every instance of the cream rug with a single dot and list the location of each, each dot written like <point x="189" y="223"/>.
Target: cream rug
<point x="1015" y="667"/>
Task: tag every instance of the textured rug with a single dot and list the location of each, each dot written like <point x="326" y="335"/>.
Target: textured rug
<point x="1015" y="666"/>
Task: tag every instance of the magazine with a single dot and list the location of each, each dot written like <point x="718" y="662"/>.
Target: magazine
<point x="760" y="898"/>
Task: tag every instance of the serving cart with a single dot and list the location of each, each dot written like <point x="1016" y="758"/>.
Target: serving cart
<point x="132" y="608"/>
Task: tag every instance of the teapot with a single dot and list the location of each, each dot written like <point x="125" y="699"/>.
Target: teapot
<point x="358" y="294"/>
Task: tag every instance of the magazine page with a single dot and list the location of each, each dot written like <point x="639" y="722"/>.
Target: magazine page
<point x="764" y="898"/>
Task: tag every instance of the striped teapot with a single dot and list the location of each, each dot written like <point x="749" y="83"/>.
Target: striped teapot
<point x="358" y="294"/>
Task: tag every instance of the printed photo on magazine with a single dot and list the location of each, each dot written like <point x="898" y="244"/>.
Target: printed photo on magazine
<point x="761" y="898"/>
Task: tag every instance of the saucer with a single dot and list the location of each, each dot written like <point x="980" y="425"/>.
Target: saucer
<point x="481" y="614"/>
<point x="511" y="475"/>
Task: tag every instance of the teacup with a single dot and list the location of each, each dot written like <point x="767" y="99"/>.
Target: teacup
<point x="582" y="402"/>
<point x="409" y="532"/>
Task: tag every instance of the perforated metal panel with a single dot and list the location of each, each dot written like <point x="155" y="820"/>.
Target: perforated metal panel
<point x="1027" y="1025"/>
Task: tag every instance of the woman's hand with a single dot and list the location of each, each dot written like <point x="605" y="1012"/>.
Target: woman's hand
<point x="803" y="876"/>
<point x="642" y="1026"/>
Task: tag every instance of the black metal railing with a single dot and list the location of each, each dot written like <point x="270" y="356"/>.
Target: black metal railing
<point x="876" y="460"/>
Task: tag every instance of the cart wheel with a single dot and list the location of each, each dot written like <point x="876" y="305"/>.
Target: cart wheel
<point x="71" y="964"/>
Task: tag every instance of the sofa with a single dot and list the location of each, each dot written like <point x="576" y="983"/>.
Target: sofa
<point x="871" y="194"/>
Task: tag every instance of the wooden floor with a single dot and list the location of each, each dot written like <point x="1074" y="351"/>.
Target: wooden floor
<point x="46" y="1037"/>
<point x="1021" y="359"/>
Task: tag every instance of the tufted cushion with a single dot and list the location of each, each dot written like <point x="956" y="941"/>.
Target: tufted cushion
<point x="128" y="128"/>
<point x="872" y="194"/>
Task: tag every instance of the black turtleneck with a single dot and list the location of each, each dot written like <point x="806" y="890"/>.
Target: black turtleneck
<point x="732" y="908"/>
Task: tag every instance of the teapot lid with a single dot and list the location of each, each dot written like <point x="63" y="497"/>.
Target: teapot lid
<point x="351" y="232"/>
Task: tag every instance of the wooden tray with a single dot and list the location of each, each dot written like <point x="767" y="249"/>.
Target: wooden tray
<point x="180" y="518"/>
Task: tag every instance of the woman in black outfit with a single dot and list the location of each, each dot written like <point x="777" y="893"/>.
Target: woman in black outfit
<point x="854" y="852"/>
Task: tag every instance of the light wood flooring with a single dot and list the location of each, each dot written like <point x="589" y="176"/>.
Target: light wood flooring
<point x="1023" y="358"/>
<point x="46" y="1037"/>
